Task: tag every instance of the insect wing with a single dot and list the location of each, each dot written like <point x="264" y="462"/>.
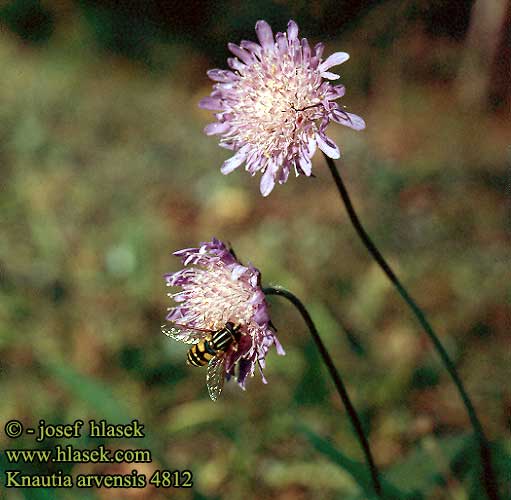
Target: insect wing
<point x="215" y="376"/>
<point x="182" y="334"/>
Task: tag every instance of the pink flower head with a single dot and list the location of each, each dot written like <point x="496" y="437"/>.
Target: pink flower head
<point x="273" y="108"/>
<point x="216" y="289"/>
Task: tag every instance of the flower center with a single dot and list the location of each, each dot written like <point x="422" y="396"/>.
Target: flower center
<point x="215" y="298"/>
<point x="276" y="103"/>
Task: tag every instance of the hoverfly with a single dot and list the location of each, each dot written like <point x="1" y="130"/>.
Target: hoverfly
<point x="208" y="350"/>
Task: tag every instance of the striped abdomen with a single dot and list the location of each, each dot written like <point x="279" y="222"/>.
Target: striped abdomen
<point x="201" y="353"/>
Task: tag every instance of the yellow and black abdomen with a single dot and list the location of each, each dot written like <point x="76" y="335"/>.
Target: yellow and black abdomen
<point x="203" y="351"/>
<point x="200" y="353"/>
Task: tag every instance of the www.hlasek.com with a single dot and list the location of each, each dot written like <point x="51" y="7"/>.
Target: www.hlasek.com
<point x="65" y="454"/>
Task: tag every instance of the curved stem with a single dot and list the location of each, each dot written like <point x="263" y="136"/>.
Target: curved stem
<point x="341" y="389"/>
<point x="488" y="475"/>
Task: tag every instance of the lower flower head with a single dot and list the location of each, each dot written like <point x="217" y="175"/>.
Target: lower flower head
<point x="275" y="104"/>
<point x="217" y="289"/>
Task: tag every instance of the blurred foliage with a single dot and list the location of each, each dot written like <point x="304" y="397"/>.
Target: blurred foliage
<point x="105" y="171"/>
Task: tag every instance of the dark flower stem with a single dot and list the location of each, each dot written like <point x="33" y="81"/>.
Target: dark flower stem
<point x="488" y="475"/>
<point x="341" y="389"/>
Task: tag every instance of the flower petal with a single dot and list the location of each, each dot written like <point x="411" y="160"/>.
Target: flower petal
<point x="216" y="128"/>
<point x="305" y="164"/>
<point x="263" y="378"/>
<point x="222" y="75"/>
<point x="312" y="146"/>
<point x="318" y="49"/>
<point x="264" y="34"/>
<point x="234" y="162"/>
<point x="278" y="346"/>
<point x="284" y="174"/>
<point x="336" y="91"/>
<point x="348" y="119"/>
<point x="334" y="60"/>
<point x="244" y="368"/>
<point x="261" y="315"/>
<point x="253" y="47"/>
<point x="242" y="54"/>
<point x="328" y="146"/>
<point x="267" y="182"/>
<point x="281" y="43"/>
<point x="306" y="50"/>
<point x="237" y="271"/>
<point x="235" y="64"/>
<point x="330" y="76"/>
<point x="292" y="30"/>
<point x="211" y="103"/>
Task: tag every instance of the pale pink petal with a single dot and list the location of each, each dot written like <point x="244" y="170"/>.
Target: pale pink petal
<point x="235" y="64"/>
<point x="328" y="146"/>
<point x="334" y="60"/>
<point x="305" y="165"/>
<point x="253" y="47"/>
<point x="235" y="161"/>
<point x="267" y="182"/>
<point x="281" y="43"/>
<point x="242" y="54"/>
<point x="237" y="271"/>
<point x="222" y="75"/>
<point x="292" y="30"/>
<point x="284" y="174"/>
<point x="330" y="76"/>
<point x="336" y="91"/>
<point x="217" y="128"/>
<point x="211" y="103"/>
<point x="232" y="164"/>
<point x="312" y="146"/>
<point x="306" y="50"/>
<point x="318" y="49"/>
<point x="348" y="119"/>
<point x="264" y="34"/>
<point x="278" y="346"/>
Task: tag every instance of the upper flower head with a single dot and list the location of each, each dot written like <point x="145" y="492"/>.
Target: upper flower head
<point x="275" y="104"/>
<point x="217" y="289"/>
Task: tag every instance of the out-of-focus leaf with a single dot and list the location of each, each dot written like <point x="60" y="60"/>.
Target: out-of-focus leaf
<point x="356" y="496"/>
<point x="25" y="468"/>
<point x="425" y="376"/>
<point x="502" y="467"/>
<point x="100" y="399"/>
<point x="31" y="19"/>
<point x="312" y="388"/>
<point x="357" y="470"/>
<point x="326" y="475"/>
<point x="327" y="323"/>
<point x="502" y="460"/>
<point x="356" y="344"/>
<point x="38" y="494"/>
<point x="199" y="496"/>
<point x="422" y="468"/>
<point x="333" y="327"/>
<point x="189" y="416"/>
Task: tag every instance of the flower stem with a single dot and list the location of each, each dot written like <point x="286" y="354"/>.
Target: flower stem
<point x="488" y="474"/>
<point x="341" y="389"/>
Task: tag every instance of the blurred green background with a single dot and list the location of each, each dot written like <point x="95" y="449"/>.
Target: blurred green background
<point x="105" y="171"/>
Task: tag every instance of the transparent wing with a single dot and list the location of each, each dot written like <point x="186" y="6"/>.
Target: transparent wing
<point x="215" y="376"/>
<point x="182" y="334"/>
